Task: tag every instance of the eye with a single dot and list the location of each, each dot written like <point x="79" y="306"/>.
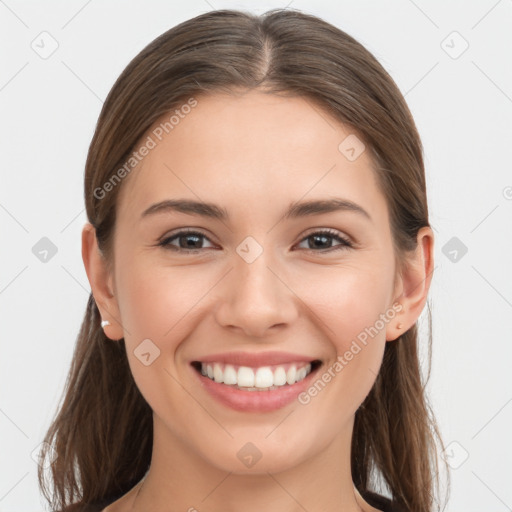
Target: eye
<point x="320" y="238"/>
<point x="192" y="241"/>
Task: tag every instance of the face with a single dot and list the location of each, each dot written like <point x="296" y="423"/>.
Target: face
<point x="258" y="295"/>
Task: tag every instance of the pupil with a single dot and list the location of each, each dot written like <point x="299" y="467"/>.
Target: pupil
<point x="322" y="237"/>
<point x="196" y="239"/>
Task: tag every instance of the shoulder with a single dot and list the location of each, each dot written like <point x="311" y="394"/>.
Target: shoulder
<point x="380" y="502"/>
<point x="85" y="507"/>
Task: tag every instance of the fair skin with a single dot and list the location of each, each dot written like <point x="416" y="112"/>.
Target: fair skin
<point x="253" y="154"/>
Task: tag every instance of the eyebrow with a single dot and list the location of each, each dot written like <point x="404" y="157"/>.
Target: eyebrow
<point x="295" y="209"/>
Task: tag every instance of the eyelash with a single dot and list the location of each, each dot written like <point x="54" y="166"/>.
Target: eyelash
<point x="345" y="243"/>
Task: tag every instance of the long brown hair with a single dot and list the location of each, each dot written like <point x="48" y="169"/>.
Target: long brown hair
<point x="102" y="432"/>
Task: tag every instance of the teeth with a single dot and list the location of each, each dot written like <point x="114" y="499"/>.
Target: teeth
<point x="279" y="376"/>
<point x="245" y="377"/>
<point x="230" y="375"/>
<point x="218" y="376"/>
<point x="291" y="374"/>
<point x="263" y="378"/>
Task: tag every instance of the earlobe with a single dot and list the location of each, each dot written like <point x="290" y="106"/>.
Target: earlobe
<point x="101" y="283"/>
<point x="415" y="283"/>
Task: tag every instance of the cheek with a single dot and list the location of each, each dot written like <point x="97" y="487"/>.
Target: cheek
<point x="156" y="302"/>
<point x="349" y="307"/>
<point x="346" y="302"/>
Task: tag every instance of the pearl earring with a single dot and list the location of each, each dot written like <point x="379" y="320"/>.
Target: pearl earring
<point x="399" y="325"/>
<point x="104" y="323"/>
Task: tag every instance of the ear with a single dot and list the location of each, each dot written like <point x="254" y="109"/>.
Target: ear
<point x="413" y="284"/>
<point x="101" y="283"/>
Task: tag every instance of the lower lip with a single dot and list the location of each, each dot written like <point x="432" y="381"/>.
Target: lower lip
<point x="254" y="401"/>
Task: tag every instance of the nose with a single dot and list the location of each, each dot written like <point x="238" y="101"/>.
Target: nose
<point x="256" y="298"/>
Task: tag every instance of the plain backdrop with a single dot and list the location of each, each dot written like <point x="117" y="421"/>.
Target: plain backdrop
<point x="452" y="62"/>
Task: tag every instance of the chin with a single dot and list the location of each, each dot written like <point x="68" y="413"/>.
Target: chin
<point x="255" y="455"/>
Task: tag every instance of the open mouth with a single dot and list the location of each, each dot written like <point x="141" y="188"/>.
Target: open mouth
<point x="262" y="378"/>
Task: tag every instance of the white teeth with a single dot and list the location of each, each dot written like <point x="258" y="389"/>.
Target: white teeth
<point x="263" y="378"/>
<point x="230" y="375"/>
<point x="245" y="377"/>
<point x="279" y="376"/>
<point x="218" y="376"/>
<point x="291" y="374"/>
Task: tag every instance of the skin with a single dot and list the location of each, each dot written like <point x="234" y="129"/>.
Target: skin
<point x="253" y="154"/>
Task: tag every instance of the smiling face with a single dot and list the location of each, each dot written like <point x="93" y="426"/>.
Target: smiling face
<point x="253" y="281"/>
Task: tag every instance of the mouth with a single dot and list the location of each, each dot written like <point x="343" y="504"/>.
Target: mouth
<point x="242" y="384"/>
<point x="262" y="378"/>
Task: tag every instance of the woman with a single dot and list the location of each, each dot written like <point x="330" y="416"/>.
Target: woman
<point x="259" y="252"/>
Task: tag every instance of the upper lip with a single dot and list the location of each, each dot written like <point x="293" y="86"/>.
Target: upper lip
<point x="256" y="359"/>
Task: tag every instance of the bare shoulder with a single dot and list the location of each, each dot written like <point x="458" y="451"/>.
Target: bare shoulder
<point x="123" y="504"/>
<point x="98" y="507"/>
<point x="81" y="507"/>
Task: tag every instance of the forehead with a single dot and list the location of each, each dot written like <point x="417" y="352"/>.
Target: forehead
<point x="252" y="149"/>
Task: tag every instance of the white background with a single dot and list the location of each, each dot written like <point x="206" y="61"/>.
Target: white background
<point x="463" y="110"/>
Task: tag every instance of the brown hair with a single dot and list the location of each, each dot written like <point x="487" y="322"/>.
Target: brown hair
<point x="102" y="432"/>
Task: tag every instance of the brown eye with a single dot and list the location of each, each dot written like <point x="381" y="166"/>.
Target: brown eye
<point x="188" y="241"/>
<point x="321" y="239"/>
